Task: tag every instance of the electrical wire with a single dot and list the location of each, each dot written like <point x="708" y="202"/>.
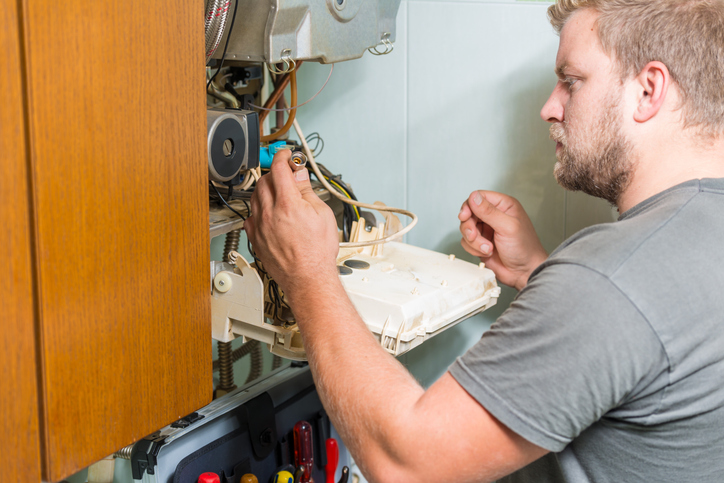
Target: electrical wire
<point x="303" y="103"/>
<point x="274" y="293"/>
<point x="320" y="176"/>
<point x="292" y="113"/>
<point x="226" y="44"/>
<point x="344" y="192"/>
<point x="243" y="218"/>
<point x="316" y="137"/>
<point x="279" y="86"/>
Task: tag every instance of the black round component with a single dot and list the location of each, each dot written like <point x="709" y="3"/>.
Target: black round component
<point x="344" y="270"/>
<point x="358" y="264"/>
<point x="227" y="162"/>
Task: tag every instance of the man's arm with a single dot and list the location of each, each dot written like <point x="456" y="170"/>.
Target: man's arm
<point x="395" y="430"/>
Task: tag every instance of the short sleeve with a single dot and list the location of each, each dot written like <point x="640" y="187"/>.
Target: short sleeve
<point x="570" y="348"/>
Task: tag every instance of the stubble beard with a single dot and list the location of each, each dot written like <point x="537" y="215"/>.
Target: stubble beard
<point x="598" y="160"/>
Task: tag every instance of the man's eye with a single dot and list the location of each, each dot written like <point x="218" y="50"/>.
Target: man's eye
<point x="569" y="82"/>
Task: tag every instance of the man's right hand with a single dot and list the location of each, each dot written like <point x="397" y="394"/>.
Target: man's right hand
<point x="496" y="228"/>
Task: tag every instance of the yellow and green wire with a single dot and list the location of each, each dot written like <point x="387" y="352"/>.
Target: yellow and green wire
<point x="344" y="192"/>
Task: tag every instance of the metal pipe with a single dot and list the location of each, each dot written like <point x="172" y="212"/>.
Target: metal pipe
<point x="216" y="92"/>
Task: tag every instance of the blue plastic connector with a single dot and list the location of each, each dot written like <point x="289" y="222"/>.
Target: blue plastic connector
<point x="266" y="153"/>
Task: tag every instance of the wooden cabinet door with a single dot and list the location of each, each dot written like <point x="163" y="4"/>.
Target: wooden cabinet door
<point x="116" y="124"/>
<point x="18" y="370"/>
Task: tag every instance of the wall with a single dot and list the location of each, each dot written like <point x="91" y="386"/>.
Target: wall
<point x="454" y="108"/>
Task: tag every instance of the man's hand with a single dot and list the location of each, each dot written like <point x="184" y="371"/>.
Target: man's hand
<point x="292" y="231"/>
<point x="496" y="228"/>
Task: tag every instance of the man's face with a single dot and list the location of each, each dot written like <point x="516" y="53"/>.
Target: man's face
<point x="594" y="155"/>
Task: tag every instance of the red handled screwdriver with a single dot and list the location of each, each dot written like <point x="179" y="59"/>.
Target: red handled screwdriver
<point x="332" y="459"/>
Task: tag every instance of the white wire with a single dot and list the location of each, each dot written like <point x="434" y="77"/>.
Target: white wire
<point x="320" y="177"/>
<point x="303" y="103"/>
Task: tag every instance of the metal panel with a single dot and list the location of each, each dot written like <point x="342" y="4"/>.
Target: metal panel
<point x="329" y="31"/>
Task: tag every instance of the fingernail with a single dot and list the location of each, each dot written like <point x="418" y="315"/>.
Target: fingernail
<point x="301" y="175"/>
<point x="485" y="248"/>
<point x="477" y="199"/>
<point x="469" y="234"/>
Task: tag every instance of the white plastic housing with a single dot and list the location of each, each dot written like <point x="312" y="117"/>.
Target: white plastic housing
<point x="406" y="296"/>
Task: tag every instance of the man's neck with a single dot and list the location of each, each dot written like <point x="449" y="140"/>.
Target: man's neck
<point x="667" y="164"/>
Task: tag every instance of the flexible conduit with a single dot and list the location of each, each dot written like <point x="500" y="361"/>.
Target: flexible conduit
<point x="216" y="13"/>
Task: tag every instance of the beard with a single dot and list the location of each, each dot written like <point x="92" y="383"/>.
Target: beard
<point x="598" y="159"/>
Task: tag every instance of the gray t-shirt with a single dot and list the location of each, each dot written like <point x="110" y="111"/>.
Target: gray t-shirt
<point x="612" y="357"/>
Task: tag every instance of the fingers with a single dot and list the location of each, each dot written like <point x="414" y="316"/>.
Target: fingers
<point x="474" y="249"/>
<point x="284" y="178"/>
<point x="465" y="212"/>
<point x="281" y="174"/>
<point x="489" y="207"/>
<point x="481" y="244"/>
<point x="469" y="229"/>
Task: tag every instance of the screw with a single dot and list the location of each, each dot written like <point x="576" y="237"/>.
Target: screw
<point x="221" y="282"/>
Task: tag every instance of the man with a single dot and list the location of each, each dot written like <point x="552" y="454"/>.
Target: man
<point x="609" y="365"/>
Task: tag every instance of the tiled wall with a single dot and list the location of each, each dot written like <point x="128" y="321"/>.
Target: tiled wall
<point x="454" y="108"/>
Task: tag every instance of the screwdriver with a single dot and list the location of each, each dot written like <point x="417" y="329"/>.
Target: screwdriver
<point x="283" y="477"/>
<point x="208" y="477"/>
<point x="303" y="449"/>
<point x="332" y="459"/>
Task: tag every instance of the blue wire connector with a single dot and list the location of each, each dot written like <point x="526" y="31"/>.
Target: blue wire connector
<point x="266" y="153"/>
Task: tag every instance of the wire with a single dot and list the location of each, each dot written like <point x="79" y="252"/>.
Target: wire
<point x="243" y="218"/>
<point x="316" y="137"/>
<point x="344" y="192"/>
<point x="292" y="113"/>
<point x="315" y="168"/>
<point x="303" y="103"/>
<point x="274" y="293"/>
<point x="226" y="44"/>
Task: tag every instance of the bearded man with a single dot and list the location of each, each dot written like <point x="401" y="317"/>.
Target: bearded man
<point x="609" y="365"/>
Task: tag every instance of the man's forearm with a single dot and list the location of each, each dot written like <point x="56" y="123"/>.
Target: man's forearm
<point x="367" y="392"/>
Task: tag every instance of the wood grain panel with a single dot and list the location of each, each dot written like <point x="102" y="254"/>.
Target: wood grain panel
<point x="118" y="131"/>
<point x="18" y="393"/>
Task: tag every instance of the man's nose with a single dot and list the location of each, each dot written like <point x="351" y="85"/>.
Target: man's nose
<point x="553" y="110"/>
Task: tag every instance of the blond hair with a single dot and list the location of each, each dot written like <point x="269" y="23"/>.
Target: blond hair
<point x="685" y="35"/>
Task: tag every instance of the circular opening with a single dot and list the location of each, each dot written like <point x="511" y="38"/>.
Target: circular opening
<point x="228" y="148"/>
<point x="358" y="264"/>
<point x="340" y="4"/>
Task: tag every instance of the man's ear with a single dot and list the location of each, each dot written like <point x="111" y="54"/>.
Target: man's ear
<point x="652" y="86"/>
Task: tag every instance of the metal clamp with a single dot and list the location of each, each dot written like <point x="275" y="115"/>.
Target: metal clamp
<point x="389" y="46"/>
<point x="289" y="63"/>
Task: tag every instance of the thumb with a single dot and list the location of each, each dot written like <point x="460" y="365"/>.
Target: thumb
<point x="486" y="207"/>
<point x="304" y="186"/>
